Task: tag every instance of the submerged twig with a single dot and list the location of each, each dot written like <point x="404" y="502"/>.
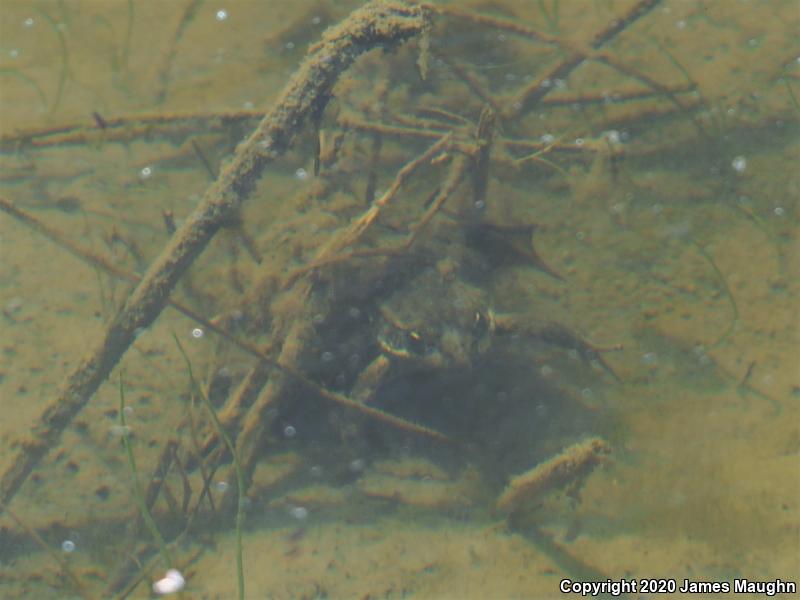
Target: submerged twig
<point x="348" y="237"/>
<point x="268" y="363"/>
<point x="573" y="463"/>
<point x="377" y="24"/>
<point x="531" y="95"/>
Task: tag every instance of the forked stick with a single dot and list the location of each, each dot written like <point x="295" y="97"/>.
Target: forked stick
<point x="267" y="361"/>
<point x="377" y="24"/>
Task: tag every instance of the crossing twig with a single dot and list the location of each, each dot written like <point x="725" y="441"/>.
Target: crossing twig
<point x="377" y="24"/>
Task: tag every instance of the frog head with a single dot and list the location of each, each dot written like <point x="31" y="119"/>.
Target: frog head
<point x="435" y="322"/>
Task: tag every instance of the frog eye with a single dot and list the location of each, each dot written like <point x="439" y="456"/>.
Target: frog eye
<point x="415" y="343"/>
<point x="481" y="324"/>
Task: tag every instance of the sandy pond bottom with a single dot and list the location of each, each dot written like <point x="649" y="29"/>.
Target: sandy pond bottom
<point x="674" y="505"/>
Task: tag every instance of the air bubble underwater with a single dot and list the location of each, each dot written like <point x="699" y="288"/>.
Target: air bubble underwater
<point x="650" y="359"/>
<point x="299" y="512"/>
<point x="118" y="431"/>
<point x="357" y="465"/>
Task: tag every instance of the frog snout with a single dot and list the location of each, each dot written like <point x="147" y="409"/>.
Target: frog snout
<point x="455" y="348"/>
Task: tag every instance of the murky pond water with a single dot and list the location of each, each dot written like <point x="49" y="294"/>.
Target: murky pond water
<point x="499" y="296"/>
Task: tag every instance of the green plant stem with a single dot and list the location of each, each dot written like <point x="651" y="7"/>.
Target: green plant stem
<point x="236" y="466"/>
<point x="137" y="487"/>
<point x="726" y="290"/>
<point x="20" y="75"/>
<point x="62" y="563"/>
<point x="62" y="76"/>
<point x="793" y="98"/>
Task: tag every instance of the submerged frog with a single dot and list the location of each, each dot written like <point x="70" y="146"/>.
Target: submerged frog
<point x="442" y="325"/>
<point x="438" y="322"/>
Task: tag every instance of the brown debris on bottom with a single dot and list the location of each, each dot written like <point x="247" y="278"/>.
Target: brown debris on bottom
<point x="572" y="464"/>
